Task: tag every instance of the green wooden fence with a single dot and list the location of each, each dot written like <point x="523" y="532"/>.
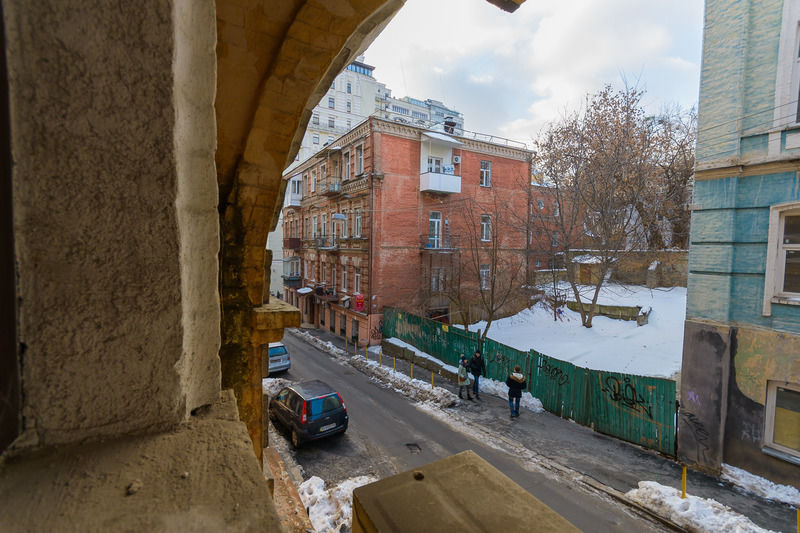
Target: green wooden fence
<point x="638" y="409"/>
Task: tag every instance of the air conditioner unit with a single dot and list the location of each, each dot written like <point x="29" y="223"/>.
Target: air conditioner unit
<point x="456" y="159"/>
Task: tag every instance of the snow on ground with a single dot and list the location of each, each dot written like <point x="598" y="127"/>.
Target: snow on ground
<point x="331" y="510"/>
<point x="693" y="513"/>
<point x="760" y="486"/>
<point x="654" y="349"/>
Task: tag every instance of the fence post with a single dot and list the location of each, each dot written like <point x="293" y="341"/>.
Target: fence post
<point x="380" y="355"/>
<point x="683" y="483"/>
<point x="412" y="370"/>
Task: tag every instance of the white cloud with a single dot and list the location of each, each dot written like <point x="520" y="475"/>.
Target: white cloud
<point x="530" y="66"/>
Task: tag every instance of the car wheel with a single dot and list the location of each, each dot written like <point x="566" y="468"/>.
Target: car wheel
<point x="295" y="439"/>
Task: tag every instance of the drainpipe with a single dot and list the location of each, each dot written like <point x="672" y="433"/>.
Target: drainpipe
<point x="371" y="190"/>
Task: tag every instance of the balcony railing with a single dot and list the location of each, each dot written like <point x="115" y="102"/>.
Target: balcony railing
<point x="437" y="242"/>
<point x="439" y="182"/>
<point x="327" y="294"/>
<point x="291" y="243"/>
<point x="330" y="187"/>
<point x="291" y="281"/>
<point x="328" y="242"/>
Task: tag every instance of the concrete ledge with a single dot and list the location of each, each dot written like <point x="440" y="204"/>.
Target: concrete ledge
<point x="459" y="493"/>
<point x="201" y="476"/>
<point x="288" y="505"/>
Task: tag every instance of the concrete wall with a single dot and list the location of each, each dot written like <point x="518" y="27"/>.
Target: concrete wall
<point x="672" y="268"/>
<point x="114" y="213"/>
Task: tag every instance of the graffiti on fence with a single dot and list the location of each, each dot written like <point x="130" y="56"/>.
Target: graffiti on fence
<point x="553" y="372"/>
<point x="700" y="434"/>
<point x="377" y="331"/>
<point x="627" y="395"/>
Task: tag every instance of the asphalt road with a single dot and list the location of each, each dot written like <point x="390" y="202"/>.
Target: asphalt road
<point x="387" y="434"/>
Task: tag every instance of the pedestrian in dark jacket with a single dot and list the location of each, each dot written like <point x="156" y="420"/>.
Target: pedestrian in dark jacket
<point x="516" y="384"/>
<point x="478" y="368"/>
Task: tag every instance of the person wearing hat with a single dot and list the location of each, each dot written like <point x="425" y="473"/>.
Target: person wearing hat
<point x="463" y="377"/>
<point x="516" y="384"/>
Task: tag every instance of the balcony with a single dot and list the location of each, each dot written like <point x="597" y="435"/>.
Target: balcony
<point x="439" y="182"/>
<point x="291" y="281"/>
<point x="330" y="187"/>
<point x="294" y="199"/>
<point x="443" y="243"/>
<point x="329" y="242"/>
<point x="326" y="294"/>
<point x="291" y="243"/>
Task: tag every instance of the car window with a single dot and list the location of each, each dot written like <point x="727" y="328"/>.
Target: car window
<point x="277" y="350"/>
<point x="296" y="403"/>
<point x="282" y="395"/>
<point x="325" y="404"/>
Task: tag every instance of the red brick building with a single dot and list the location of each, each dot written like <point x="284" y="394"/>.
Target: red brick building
<point x="395" y="215"/>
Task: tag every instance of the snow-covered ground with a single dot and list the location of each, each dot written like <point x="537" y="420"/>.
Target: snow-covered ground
<point x="614" y="345"/>
<point x="330" y="509"/>
<point x="693" y="513"/>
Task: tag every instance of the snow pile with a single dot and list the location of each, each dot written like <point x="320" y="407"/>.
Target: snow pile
<point x="760" y="486"/>
<point x="693" y="513"/>
<point x="613" y="345"/>
<point x="272" y="386"/>
<point x="330" y="510"/>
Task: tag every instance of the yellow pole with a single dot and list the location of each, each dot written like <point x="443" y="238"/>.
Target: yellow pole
<point x="366" y="355"/>
<point x="683" y="483"/>
<point x="412" y="370"/>
<point x="798" y="520"/>
<point x="345" y="345"/>
<point x="394" y="365"/>
<point x="431" y="379"/>
<point x="380" y="356"/>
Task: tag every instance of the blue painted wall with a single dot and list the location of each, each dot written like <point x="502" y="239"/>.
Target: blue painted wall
<point x="727" y="256"/>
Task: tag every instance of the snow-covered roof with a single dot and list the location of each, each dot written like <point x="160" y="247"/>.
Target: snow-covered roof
<point x="304" y="290"/>
<point x="587" y="259"/>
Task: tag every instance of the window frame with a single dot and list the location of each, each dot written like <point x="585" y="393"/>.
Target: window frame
<point x="768" y="443"/>
<point x="435" y="164"/>
<point x="484" y="273"/>
<point x="357" y="280"/>
<point x="344" y="278"/>
<point x="331" y="102"/>
<point x="315" y="119"/>
<point x="359" y="163"/>
<point x="314" y="227"/>
<point x="776" y="258"/>
<point x="331" y="122"/>
<point x="346" y="165"/>
<point x="357" y="223"/>
<point x="486" y="228"/>
<point x="486" y="173"/>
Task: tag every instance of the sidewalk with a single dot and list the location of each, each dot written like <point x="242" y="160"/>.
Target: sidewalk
<point x="613" y="463"/>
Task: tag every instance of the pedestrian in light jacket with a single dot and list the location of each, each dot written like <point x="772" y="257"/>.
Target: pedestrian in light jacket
<point x="463" y="377"/>
<point x="478" y="368"/>
<point x="516" y="384"/>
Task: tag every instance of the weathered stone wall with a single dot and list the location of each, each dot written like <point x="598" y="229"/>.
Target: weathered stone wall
<point x="671" y="271"/>
<point x="112" y="136"/>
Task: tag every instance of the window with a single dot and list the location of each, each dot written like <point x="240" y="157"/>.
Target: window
<point x="420" y="115"/>
<point x="349" y="90"/>
<point x="344" y="225"/>
<point x="359" y="159"/>
<point x="331" y="122"/>
<point x="323" y="271"/>
<point x="349" y="107"/>
<point x="782" y="276"/>
<point x="437" y="279"/>
<point x="486" y="173"/>
<point x="554" y="240"/>
<point x="313" y="227"/>
<point x="401" y="110"/>
<point x="540" y="204"/>
<point x="357" y="281"/>
<point x="344" y="279"/>
<point x="485" y="273"/>
<point x="313" y="180"/>
<point x="434" y="229"/>
<point x="315" y="118"/>
<point x="486" y="228"/>
<point x="324" y="225"/>
<point x="315" y="138"/>
<point x="555" y="208"/>
<point x="782" y="425"/>
<point x="333" y="277"/>
<point x="308" y="229"/>
<point x="357" y="229"/>
<point x="435" y="164"/>
<point x="331" y="103"/>
<point x="348" y="124"/>
<point x="296" y="186"/>
<point x="346" y="165"/>
<point x="330" y="139"/>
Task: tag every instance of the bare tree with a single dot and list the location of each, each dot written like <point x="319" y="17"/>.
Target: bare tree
<point x="598" y="163"/>
<point x="492" y="253"/>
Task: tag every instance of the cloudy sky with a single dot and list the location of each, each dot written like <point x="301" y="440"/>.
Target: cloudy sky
<point x="510" y="74"/>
